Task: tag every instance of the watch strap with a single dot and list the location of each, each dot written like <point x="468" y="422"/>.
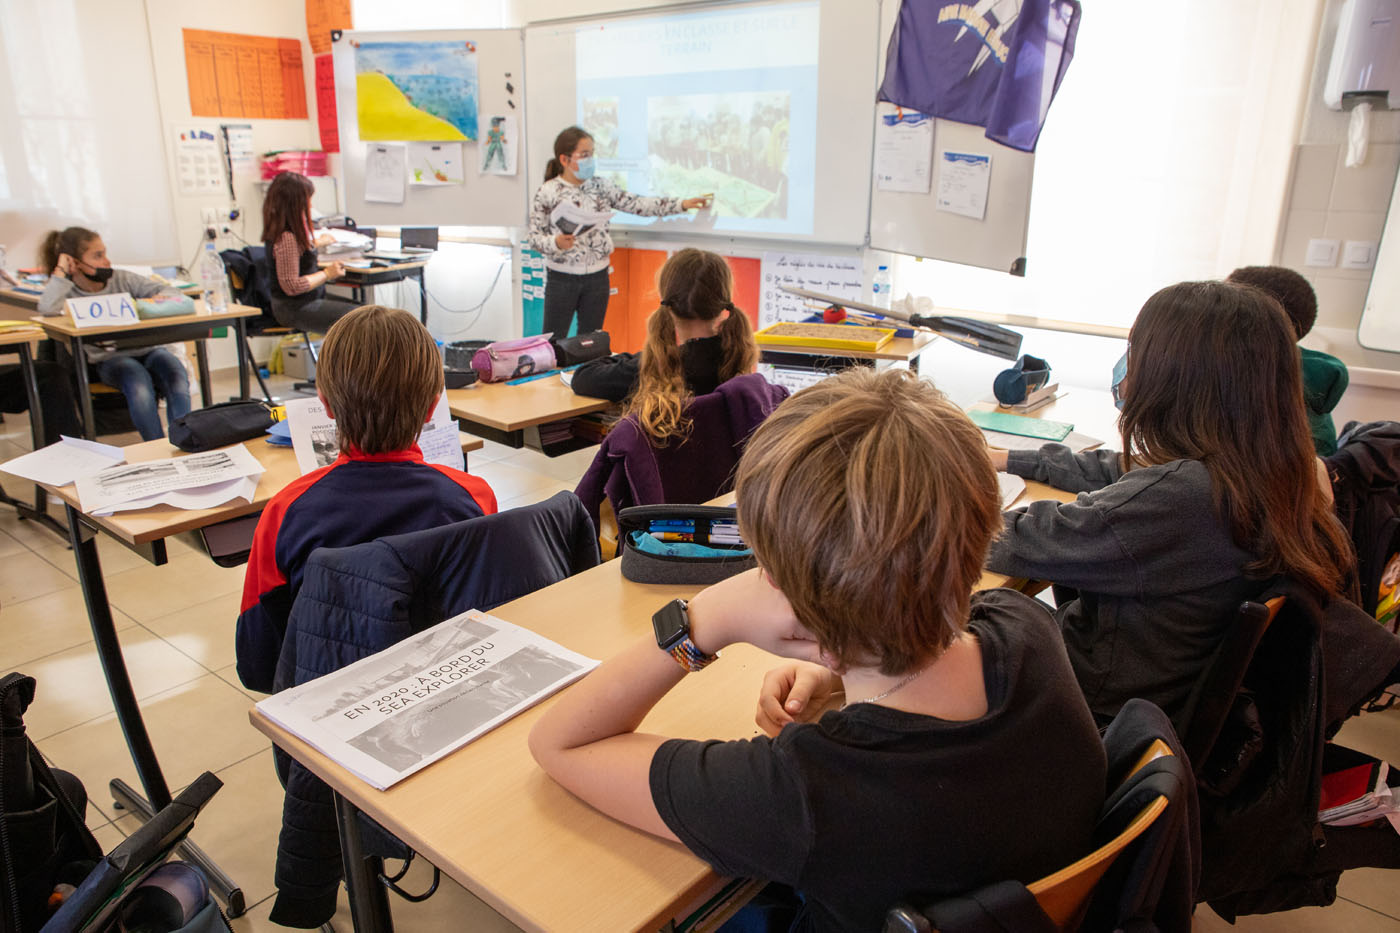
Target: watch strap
<point x="690" y="657"/>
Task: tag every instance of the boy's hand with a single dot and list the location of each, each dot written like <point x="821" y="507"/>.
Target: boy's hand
<point x="796" y="692"/>
<point x="748" y="607"/>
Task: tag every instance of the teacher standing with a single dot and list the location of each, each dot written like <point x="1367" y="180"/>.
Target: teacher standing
<point x="576" y="278"/>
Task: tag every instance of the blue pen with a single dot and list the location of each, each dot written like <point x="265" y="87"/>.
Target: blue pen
<point x="548" y="372"/>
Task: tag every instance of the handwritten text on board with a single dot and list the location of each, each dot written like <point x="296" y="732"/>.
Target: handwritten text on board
<point x="102" y="310"/>
<point x="838" y="276"/>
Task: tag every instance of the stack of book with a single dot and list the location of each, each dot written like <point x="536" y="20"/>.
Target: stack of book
<point x="1358" y="789"/>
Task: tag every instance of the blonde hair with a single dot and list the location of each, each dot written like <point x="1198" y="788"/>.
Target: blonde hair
<point x="695" y="285"/>
<point x="870" y="501"/>
<point x="381" y="374"/>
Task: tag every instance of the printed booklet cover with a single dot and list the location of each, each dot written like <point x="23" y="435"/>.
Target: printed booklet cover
<point x="389" y="715"/>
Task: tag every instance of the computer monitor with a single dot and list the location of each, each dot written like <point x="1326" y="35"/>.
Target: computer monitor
<point x="418" y="238"/>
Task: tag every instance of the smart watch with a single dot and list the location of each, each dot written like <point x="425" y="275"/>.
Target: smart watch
<point x="672" y="626"/>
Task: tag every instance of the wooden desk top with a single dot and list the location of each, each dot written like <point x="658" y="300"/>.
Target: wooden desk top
<point x="492" y="820"/>
<point x="31" y="299"/>
<point x="141" y="526"/>
<point x="902" y="349"/>
<point x="375" y="270"/>
<point x="62" y="325"/>
<point x="510" y="408"/>
<point x="11" y="338"/>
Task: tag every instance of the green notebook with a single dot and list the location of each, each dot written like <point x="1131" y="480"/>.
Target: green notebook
<point x="1023" y="427"/>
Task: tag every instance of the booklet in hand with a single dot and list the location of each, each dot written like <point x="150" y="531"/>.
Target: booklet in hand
<point x="572" y="220"/>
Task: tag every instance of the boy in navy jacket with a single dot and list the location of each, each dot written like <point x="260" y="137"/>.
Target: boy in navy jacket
<point x="379" y="375"/>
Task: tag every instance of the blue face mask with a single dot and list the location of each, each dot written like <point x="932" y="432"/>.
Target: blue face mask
<point x="1120" y="372"/>
<point x="584" y="168"/>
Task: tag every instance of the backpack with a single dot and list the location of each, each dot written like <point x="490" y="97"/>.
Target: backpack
<point x="1365" y="474"/>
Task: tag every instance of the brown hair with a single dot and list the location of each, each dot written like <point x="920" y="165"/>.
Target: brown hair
<point x="870" y="501"/>
<point x="1293" y="292"/>
<point x="287" y="208"/>
<point x="380" y="373"/>
<point x="564" y="145"/>
<point x="695" y="285"/>
<point x="1213" y="375"/>
<point x="70" y="240"/>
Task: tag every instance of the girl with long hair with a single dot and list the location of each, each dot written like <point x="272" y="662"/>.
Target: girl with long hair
<point x="297" y="283"/>
<point x="1214" y="495"/>
<point x="696" y="340"/>
<point x="576" y="263"/>
<point x="77" y="263"/>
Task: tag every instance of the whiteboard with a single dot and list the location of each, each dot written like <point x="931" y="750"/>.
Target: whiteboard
<point x="843" y="80"/>
<point x="908" y="223"/>
<point x="1380" y="318"/>
<point x="482" y="200"/>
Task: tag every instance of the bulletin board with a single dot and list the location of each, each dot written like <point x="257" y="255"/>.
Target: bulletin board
<point x="482" y="200"/>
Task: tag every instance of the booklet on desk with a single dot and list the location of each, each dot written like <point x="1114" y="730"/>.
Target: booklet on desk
<point x="396" y="712"/>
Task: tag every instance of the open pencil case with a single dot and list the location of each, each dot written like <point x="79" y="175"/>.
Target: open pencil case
<point x="681" y="544"/>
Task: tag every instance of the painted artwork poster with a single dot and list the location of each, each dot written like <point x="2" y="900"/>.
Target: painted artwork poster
<point x="416" y="91"/>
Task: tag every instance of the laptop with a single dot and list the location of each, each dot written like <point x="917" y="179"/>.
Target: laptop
<point x="418" y="240"/>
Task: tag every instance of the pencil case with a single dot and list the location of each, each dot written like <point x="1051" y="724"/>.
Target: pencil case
<point x="220" y="425"/>
<point x="685" y="544"/>
<point x="570" y="351"/>
<point x="510" y="359"/>
<point x="147" y="308"/>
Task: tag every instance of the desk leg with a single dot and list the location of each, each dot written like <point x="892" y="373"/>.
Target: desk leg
<point x="240" y="333"/>
<point x="39" y="439"/>
<point x="369" y="902"/>
<point x="422" y="296"/>
<point x="138" y="741"/>
<point x="201" y="356"/>
<point x="75" y="346"/>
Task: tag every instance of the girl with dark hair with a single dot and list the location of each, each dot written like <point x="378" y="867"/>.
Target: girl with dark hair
<point x="297" y="284"/>
<point x="696" y="340"/>
<point x="576" y="279"/>
<point x="1214" y="495"/>
<point x="77" y="264"/>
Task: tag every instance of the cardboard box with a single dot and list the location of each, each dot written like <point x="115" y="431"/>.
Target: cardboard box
<point x="297" y="363"/>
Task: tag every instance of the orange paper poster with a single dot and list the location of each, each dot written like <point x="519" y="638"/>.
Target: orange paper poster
<point x="325" y="103"/>
<point x="233" y="75"/>
<point x="322" y="16"/>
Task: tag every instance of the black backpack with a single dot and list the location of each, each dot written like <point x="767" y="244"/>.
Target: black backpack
<point x="1365" y="474"/>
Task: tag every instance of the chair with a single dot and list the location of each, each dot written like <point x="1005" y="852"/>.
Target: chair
<point x="246" y="273"/>
<point x="1126" y="877"/>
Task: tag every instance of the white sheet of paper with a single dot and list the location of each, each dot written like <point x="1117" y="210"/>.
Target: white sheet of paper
<point x="240" y="149"/>
<point x="496" y="156"/>
<point x="131" y="481"/>
<point x="439" y="439"/>
<point x="435" y="164"/>
<point x="61" y="463"/>
<point x="904" y="152"/>
<point x="963" y="178"/>
<point x="385" y="172"/>
<point x="198" y="163"/>
<point x="1011" y="487"/>
<point x="840" y="276"/>
<point x="199" y="497"/>
<point x="316" y="443"/>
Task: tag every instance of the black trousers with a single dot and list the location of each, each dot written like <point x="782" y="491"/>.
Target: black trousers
<point x="56" y="397"/>
<point x="316" y="315"/>
<point x="565" y="293"/>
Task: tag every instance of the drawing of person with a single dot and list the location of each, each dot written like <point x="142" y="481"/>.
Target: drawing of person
<point x="495" y="143"/>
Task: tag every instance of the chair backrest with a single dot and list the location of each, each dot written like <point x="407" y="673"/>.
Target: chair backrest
<point x="1215" y="693"/>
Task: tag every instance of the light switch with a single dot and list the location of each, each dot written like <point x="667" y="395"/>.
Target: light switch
<point x="1359" y="254"/>
<point x="1322" y="253"/>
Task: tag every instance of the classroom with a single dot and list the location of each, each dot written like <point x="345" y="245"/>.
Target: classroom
<point x="443" y="385"/>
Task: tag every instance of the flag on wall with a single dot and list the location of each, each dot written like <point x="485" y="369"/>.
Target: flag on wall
<point x="992" y="63"/>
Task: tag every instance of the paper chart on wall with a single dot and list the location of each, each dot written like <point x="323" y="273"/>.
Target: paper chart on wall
<point x="198" y="164"/>
<point x="435" y="164"/>
<point x="963" y="178"/>
<point x="240" y="149"/>
<point x="498" y="146"/>
<point x="421" y="91"/>
<point x="235" y="75"/>
<point x="385" y="168"/>
<point x="904" y="152"/>
<point x="839" y="276"/>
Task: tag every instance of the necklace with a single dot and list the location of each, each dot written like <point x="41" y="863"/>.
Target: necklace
<point x="899" y="686"/>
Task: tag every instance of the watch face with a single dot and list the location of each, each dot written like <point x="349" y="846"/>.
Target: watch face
<point x="671" y="624"/>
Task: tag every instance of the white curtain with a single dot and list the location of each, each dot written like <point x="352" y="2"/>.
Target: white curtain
<point x="1165" y="158"/>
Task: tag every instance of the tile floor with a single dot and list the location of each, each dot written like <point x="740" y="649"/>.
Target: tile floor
<point x="176" y="628"/>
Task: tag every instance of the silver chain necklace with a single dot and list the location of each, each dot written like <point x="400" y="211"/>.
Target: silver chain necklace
<point x="899" y="686"/>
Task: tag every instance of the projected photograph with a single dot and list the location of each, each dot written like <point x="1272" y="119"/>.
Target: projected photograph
<point x="416" y="91"/>
<point x="600" y="119"/>
<point x="733" y="144"/>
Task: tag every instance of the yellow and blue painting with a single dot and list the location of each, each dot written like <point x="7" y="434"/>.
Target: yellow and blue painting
<point x="424" y="91"/>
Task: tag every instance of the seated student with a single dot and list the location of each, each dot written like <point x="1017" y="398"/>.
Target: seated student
<point x="869" y="502"/>
<point x="696" y="340"/>
<point x="77" y="264"/>
<point x="379" y="376"/>
<point x="1325" y="377"/>
<point x="1214" y="495"/>
<point x="297" y="283"/>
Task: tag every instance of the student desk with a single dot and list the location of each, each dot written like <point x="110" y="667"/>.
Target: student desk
<point x="29" y="301"/>
<point x="148" y="333"/>
<point x="899" y="349"/>
<point x="357" y="280"/>
<point x="145" y="531"/>
<point x="512" y="414"/>
<point x="492" y="820"/>
<point x="19" y="342"/>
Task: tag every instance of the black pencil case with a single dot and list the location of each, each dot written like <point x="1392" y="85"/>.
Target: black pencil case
<point x="694" y="556"/>
<point x="570" y="351"/>
<point x="220" y="425"/>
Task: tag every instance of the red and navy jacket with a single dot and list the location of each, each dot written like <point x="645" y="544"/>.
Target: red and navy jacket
<point x="356" y="499"/>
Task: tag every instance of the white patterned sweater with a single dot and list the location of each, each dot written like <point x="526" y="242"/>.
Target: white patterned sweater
<point x="592" y="251"/>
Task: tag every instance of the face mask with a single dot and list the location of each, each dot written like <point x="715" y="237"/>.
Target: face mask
<point x="1120" y="372"/>
<point x="99" y="274"/>
<point x="584" y="167"/>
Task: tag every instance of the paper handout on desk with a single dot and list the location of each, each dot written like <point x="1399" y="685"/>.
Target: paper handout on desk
<point x="62" y="462"/>
<point x="200" y="497"/>
<point x="386" y="716"/>
<point x="572" y="220"/>
<point x="102" y="491"/>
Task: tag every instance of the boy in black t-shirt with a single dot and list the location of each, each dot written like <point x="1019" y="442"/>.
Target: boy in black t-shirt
<point x="869" y="501"/>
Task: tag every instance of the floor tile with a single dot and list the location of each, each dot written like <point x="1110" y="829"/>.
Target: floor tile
<point x="204" y="632"/>
<point x="508" y="481"/>
<point x="9" y="545"/>
<point x="198" y="726"/>
<point x="534" y="495"/>
<point x="115" y="557"/>
<point x="1375" y="734"/>
<point x="109" y="837"/>
<point x="150" y="592"/>
<point x="1342" y="915"/>
<point x="229" y="675"/>
<point x="72" y="689"/>
<point x="569" y="467"/>
<point x="1375" y="888"/>
<point x="491" y="452"/>
<point x="29" y="533"/>
<point x="40" y="626"/>
<point x="26" y="575"/>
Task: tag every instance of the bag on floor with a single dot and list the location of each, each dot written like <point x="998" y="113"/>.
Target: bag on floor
<point x="510" y="359"/>
<point x="220" y="425"/>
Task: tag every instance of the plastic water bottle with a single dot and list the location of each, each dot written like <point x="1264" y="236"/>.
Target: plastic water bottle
<point x="213" y="278"/>
<point x="881" y="288"/>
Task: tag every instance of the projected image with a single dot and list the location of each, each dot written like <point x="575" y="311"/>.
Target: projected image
<point x="735" y="145"/>
<point x="600" y="119"/>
